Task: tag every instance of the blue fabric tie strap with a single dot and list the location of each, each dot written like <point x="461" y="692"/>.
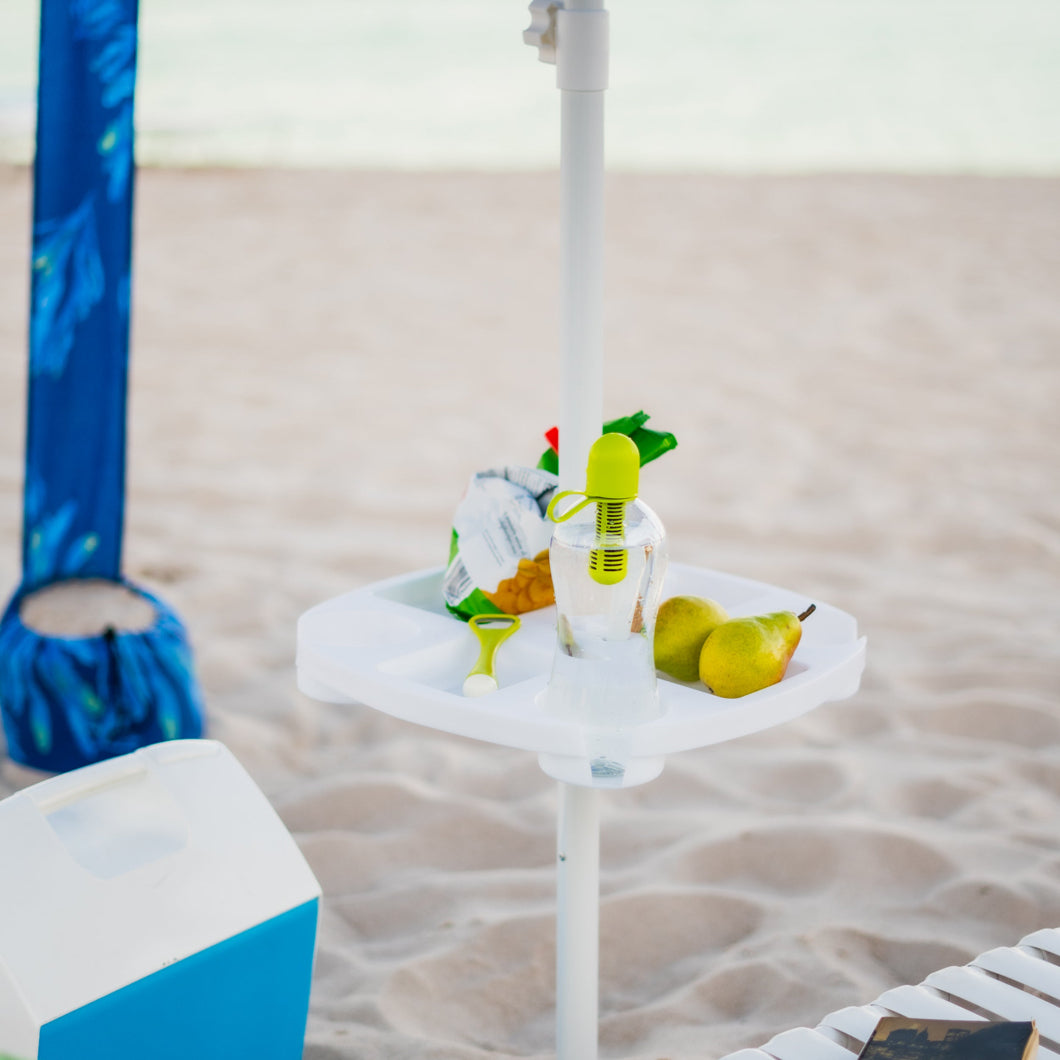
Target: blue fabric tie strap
<point x="69" y="701"/>
<point x="79" y="319"/>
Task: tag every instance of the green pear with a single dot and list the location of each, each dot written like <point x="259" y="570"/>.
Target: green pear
<point x="681" y="626"/>
<point x="746" y="654"/>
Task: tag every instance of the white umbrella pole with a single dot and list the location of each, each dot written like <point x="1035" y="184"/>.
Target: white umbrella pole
<point x="581" y="41"/>
<point x="574" y="35"/>
<point x="581" y="74"/>
<point x="577" y="923"/>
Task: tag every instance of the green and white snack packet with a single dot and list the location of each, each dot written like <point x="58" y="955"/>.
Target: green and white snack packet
<point x="498" y="556"/>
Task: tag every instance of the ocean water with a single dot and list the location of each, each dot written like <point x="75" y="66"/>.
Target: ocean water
<point x="723" y="85"/>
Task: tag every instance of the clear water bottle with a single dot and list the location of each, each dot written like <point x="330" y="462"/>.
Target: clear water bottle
<point x="608" y="559"/>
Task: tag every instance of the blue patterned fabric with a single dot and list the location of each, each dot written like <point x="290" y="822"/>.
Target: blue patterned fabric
<point x="69" y="701"/>
<point x="79" y="320"/>
<point x="66" y="702"/>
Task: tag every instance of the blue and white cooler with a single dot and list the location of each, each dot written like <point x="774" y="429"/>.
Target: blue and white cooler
<point x="153" y="906"/>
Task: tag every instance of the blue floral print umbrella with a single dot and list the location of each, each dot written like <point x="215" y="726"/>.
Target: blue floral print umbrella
<point x="66" y="702"/>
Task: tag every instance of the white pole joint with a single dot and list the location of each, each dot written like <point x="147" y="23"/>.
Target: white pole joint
<point x="582" y="50"/>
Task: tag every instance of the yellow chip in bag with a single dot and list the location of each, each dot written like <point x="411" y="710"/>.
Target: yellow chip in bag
<point x="527" y="590"/>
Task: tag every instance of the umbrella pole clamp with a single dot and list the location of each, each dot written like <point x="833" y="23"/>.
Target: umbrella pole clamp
<point x="541" y="33"/>
<point x="575" y="38"/>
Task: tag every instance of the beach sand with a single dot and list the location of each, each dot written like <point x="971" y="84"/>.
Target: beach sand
<point x="863" y="374"/>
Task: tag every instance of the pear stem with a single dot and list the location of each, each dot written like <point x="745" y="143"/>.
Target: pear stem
<point x="809" y="611"/>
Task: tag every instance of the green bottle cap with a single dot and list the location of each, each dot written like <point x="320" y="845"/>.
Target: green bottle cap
<point x="613" y="470"/>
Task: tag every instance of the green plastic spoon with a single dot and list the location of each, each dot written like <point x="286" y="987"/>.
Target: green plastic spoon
<point x="492" y="631"/>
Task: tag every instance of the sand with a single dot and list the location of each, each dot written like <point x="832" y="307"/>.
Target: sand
<point x="863" y="376"/>
<point x="85" y="607"/>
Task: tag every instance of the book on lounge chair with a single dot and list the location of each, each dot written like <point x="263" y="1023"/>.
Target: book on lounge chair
<point x="897" y="1038"/>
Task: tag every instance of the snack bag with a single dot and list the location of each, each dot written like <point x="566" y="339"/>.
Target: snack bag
<point x="498" y="556"/>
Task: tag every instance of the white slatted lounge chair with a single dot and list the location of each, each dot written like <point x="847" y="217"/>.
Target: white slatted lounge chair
<point x="1017" y="983"/>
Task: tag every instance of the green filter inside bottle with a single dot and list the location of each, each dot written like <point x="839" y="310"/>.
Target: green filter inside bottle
<point x="611" y="480"/>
